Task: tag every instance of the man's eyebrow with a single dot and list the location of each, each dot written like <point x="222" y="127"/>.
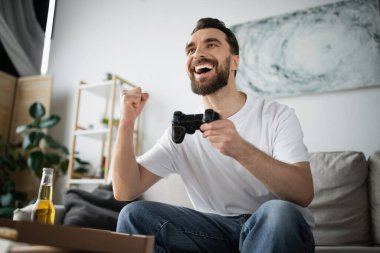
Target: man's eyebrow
<point x="213" y="40"/>
<point x="208" y="40"/>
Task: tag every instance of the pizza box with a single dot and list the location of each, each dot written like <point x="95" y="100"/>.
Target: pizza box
<point x="74" y="238"/>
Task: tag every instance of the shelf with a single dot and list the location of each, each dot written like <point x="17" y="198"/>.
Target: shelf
<point x="100" y="89"/>
<point x="98" y="134"/>
<point x="104" y="134"/>
<point x="87" y="181"/>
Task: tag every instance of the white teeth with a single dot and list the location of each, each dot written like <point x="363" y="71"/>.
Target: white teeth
<point x="209" y="66"/>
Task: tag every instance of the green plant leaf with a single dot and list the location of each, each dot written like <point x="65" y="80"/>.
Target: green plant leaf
<point x="26" y="142"/>
<point x="50" y="121"/>
<point x="6" y="212"/>
<point x="32" y="140"/>
<point x="81" y="169"/>
<point x="22" y="128"/>
<point x="65" y="150"/>
<point x="6" y="199"/>
<point x="52" y="158"/>
<point x="63" y="166"/>
<point x="54" y="144"/>
<point x="35" y="162"/>
<point x="80" y="161"/>
<point x="37" y="110"/>
<point x="8" y="186"/>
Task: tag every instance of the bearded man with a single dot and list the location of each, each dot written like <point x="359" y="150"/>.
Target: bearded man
<point x="246" y="174"/>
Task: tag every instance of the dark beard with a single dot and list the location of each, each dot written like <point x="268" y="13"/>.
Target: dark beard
<point x="213" y="85"/>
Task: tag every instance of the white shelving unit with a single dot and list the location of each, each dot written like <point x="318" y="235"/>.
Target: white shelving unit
<point x="103" y="136"/>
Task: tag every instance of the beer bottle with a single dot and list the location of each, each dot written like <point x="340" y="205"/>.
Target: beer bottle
<point x="43" y="210"/>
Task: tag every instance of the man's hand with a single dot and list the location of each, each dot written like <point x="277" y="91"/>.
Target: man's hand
<point x="223" y="136"/>
<point x="132" y="102"/>
<point x="292" y="182"/>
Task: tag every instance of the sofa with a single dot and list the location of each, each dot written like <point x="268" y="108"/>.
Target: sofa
<point x="346" y="204"/>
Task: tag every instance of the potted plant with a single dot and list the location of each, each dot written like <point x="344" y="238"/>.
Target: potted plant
<point x="36" y="150"/>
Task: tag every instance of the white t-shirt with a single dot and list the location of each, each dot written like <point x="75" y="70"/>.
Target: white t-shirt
<point x="217" y="183"/>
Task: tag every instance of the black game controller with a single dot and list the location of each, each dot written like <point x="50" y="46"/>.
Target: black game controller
<point x="187" y="124"/>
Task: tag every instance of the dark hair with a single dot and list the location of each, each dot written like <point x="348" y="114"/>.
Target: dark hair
<point x="204" y="23"/>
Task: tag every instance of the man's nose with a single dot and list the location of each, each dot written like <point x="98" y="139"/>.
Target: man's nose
<point x="199" y="53"/>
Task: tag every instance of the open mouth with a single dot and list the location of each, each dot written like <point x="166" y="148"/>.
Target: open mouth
<point x="203" y="68"/>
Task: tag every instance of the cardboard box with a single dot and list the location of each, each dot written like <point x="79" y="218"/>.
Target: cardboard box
<point x="40" y="249"/>
<point x="74" y="238"/>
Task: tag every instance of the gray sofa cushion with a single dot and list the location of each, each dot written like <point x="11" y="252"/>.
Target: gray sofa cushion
<point x="340" y="206"/>
<point x="374" y="194"/>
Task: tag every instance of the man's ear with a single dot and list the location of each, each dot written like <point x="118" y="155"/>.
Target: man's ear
<point x="235" y="62"/>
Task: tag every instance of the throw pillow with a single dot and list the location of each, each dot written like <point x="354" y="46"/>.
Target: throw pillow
<point x="340" y="206"/>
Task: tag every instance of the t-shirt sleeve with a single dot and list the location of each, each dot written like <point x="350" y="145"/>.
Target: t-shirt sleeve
<point x="288" y="143"/>
<point x="160" y="159"/>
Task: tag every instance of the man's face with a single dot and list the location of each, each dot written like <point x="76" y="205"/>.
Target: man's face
<point x="209" y="61"/>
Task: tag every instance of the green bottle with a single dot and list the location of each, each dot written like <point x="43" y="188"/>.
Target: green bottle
<point x="43" y="210"/>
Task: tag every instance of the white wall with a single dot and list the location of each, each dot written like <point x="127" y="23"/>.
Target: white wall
<point x="143" y="41"/>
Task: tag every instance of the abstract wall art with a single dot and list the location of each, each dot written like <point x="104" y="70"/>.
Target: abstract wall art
<point x="327" y="48"/>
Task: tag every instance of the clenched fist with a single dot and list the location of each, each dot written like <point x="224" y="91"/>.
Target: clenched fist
<point x="132" y="102"/>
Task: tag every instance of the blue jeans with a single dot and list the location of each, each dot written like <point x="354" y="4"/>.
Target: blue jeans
<point x="277" y="226"/>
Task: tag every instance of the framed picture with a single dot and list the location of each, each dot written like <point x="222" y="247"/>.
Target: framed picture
<point x="327" y="48"/>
